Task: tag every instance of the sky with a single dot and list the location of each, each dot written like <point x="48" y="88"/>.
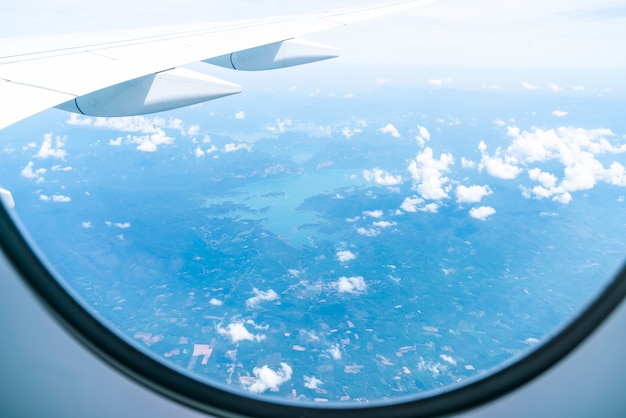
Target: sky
<point x="481" y="33"/>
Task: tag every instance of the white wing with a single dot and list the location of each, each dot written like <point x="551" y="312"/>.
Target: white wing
<point x="39" y="73"/>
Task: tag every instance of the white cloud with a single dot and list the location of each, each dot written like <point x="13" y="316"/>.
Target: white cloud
<point x="528" y="86"/>
<point x="373" y="213"/>
<point x="546" y="179"/>
<point x="381" y="177"/>
<point x="465" y="163"/>
<point x="215" y="302"/>
<point x="50" y="150"/>
<point x="575" y="149"/>
<point x="193" y="130"/>
<point x="430" y="207"/>
<point x="367" y="232"/>
<point x="152" y="129"/>
<point x="559" y="113"/>
<point x="261" y="296"/>
<point x="335" y="352"/>
<point x="382" y="80"/>
<point x="427" y="173"/>
<point x="410" y="204"/>
<point x="266" y="378"/>
<point x="122" y="225"/>
<point x="86" y="225"/>
<point x="345" y="256"/>
<point x="311" y="382"/>
<point x="391" y="130"/>
<point x="383" y="224"/>
<point x="198" y="152"/>
<point x="30" y="173"/>
<point x="240" y="115"/>
<point x="280" y="126"/>
<point x="59" y="168"/>
<point x="150" y="142"/>
<point x="349" y="133"/>
<point x="423" y="135"/>
<point x="472" y="194"/>
<point x="232" y="147"/>
<point x="578" y="88"/>
<point x="498" y="165"/>
<point x="354" y="284"/>
<point x="482" y="212"/>
<point x="237" y="331"/>
<point x="434" y="368"/>
<point x="448" y="359"/>
<point x="55" y="198"/>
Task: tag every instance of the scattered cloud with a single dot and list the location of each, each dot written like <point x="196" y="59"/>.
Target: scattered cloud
<point x="52" y="147"/>
<point x="499" y="165"/>
<point x="86" y="225"/>
<point x="349" y="133"/>
<point x="59" y="168"/>
<point x="482" y="212"/>
<point x="383" y="224"/>
<point x="423" y="135"/>
<point x="280" y="126"/>
<point x="193" y="130"/>
<point x="237" y="331"/>
<point x="382" y="80"/>
<point x="354" y="284"/>
<point x="559" y="113"/>
<point x="260" y="296"/>
<point x="30" y="173"/>
<point x="381" y="177"/>
<point x="266" y="378"/>
<point x="55" y="198"/>
<point x="215" y="302"/>
<point x="575" y="149"/>
<point x="427" y="173"/>
<point x="465" y="163"/>
<point x="149" y="131"/>
<point x="240" y="115"/>
<point x="335" y="352"/>
<point x="391" y="130"/>
<point x="232" y="147"/>
<point x="368" y="232"/>
<point x="311" y="382"/>
<point x="472" y="194"/>
<point x="448" y="359"/>
<point x="150" y="143"/>
<point x="411" y="204"/>
<point x="199" y="152"/>
<point x="373" y="213"/>
<point x="345" y="256"/>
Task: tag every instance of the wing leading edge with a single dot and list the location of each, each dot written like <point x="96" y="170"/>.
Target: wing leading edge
<point x="41" y="73"/>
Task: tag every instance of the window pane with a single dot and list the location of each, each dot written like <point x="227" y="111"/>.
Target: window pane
<point x="346" y="233"/>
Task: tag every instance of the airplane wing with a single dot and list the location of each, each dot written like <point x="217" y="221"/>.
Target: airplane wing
<point x="133" y="72"/>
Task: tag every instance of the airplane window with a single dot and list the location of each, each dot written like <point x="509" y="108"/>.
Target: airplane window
<point x="339" y="235"/>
